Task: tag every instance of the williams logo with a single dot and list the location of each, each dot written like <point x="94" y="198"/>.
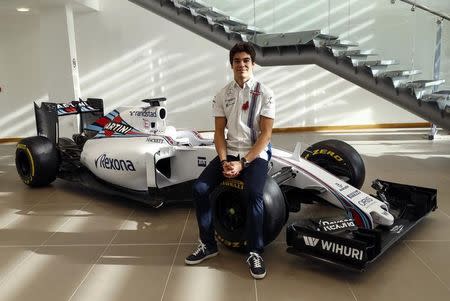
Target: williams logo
<point x="115" y="164"/>
<point x="310" y="241"/>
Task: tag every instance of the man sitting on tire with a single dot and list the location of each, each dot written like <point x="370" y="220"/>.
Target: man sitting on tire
<point x="247" y="109"/>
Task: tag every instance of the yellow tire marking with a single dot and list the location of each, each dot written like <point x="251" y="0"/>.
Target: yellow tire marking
<point x="25" y="148"/>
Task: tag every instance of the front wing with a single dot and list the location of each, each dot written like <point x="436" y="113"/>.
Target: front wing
<point x="339" y="241"/>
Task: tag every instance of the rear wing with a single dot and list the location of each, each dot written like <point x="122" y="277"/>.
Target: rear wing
<point x="48" y="113"/>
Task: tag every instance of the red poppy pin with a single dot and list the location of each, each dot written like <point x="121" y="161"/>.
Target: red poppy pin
<point x="245" y="106"/>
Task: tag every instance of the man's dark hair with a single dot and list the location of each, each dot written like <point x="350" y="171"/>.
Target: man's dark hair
<point x="242" y="47"/>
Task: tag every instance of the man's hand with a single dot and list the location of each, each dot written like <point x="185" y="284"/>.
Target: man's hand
<point x="231" y="169"/>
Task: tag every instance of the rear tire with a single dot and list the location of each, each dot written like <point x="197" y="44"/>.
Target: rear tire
<point x="230" y="212"/>
<point x="338" y="158"/>
<point x="37" y="161"/>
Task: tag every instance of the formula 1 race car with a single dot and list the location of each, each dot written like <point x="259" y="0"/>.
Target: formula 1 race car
<point x="131" y="152"/>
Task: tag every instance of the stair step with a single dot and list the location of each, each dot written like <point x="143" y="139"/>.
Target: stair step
<point x="374" y="63"/>
<point x="283" y="39"/>
<point x="422" y="87"/>
<point x="395" y="73"/>
<point x="421" y="84"/>
<point x="398" y="81"/>
<point x="327" y="37"/>
<point x="439" y="95"/>
<point x="222" y="19"/>
<point x="187" y="4"/>
<point x="334" y="43"/>
<point x="356" y="52"/>
<point x="244" y="30"/>
<point x="442" y="98"/>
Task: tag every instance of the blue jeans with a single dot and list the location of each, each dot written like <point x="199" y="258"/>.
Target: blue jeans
<point x="254" y="178"/>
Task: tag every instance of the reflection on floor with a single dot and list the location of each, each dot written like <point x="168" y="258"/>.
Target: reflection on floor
<point x="62" y="243"/>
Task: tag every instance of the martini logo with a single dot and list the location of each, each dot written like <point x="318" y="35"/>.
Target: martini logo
<point x="114" y="164"/>
<point x="118" y="128"/>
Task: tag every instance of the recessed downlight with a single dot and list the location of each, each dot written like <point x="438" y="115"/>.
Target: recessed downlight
<point x="23" y="9"/>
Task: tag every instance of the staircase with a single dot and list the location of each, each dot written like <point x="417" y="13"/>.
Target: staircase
<point x="420" y="97"/>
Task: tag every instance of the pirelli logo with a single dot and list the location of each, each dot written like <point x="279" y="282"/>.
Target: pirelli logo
<point x="234" y="183"/>
<point x="310" y="241"/>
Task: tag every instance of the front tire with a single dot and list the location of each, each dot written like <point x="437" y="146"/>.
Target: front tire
<point x="339" y="159"/>
<point x="230" y="212"/>
<point x="37" y="161"/>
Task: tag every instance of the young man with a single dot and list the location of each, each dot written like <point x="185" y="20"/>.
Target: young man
<point x="247" y="109"/>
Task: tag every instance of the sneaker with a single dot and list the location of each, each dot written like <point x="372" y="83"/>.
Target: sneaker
<point x="256" y="264"/>
<point x="200" y="254"/>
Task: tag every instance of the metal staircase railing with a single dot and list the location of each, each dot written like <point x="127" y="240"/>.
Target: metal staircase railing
<point x="420" y="97"/>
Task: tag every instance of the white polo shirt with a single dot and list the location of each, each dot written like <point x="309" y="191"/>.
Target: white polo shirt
<point x="242" y="108"/>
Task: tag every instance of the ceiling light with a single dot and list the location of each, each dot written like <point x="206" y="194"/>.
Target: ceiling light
<point x="23" y="9"/>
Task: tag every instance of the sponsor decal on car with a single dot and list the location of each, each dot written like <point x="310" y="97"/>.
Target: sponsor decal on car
<point x="397" y="229"/>
<point x="336" y="224"/>
<point x="201" y="161"/>
<point x="354" y="193"/>
<point x="118" y="128"/>
<point x="114" y="164"/>
<point x="155" y="140"/>
<point x="143" y="113"/>
<point x="341" y="186"/>
<point x="324" y="151"/>
<point x="365" y="201"/>
<point x="333" y="247"/>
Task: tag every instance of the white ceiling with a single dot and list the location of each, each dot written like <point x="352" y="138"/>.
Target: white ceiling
<point x="8" y="7"/>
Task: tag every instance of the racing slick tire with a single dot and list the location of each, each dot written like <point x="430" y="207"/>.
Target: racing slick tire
<point x="37" y="161"/>
<point x="338" y="158"/>
<point x="230" y="212"/>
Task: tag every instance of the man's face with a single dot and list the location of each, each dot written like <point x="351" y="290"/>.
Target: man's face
<point x="242" y="65"/>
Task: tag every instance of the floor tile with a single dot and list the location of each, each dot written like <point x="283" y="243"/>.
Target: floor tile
<point x="398" y="275"/>
<point x="51" y="273"/>
<point x="128" y="273"/>
<point x="10" y="258"/>
<point x="164" y="225"/>
<point x="435" y="256"/>
<point x="34" y="226"/>
<point x="93" y="224"/>
<point x="224" y="277"/>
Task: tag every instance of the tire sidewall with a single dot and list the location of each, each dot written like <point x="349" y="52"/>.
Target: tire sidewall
<point x="275" y="212"/>
<point x="42" y="159"/>
<point x="340" y="153"/>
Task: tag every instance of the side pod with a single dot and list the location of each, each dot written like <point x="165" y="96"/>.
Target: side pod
<point x="340" y="242"/>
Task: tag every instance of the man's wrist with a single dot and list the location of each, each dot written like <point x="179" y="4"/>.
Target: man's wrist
<point x="244" y="162"/>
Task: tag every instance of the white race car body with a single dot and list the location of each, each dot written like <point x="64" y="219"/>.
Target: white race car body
<point x="135" y="150"/>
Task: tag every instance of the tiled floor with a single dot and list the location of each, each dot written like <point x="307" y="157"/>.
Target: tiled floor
<point x="62" y="243"/>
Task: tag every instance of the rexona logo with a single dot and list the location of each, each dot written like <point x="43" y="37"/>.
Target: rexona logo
<point x="337" y="224"/>
<point x="114" y="164"/>
<point x="335" y="248"/>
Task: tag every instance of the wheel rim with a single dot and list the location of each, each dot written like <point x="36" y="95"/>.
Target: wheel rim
<point x="231" y="212"/>
<point x="24" y="166"/>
